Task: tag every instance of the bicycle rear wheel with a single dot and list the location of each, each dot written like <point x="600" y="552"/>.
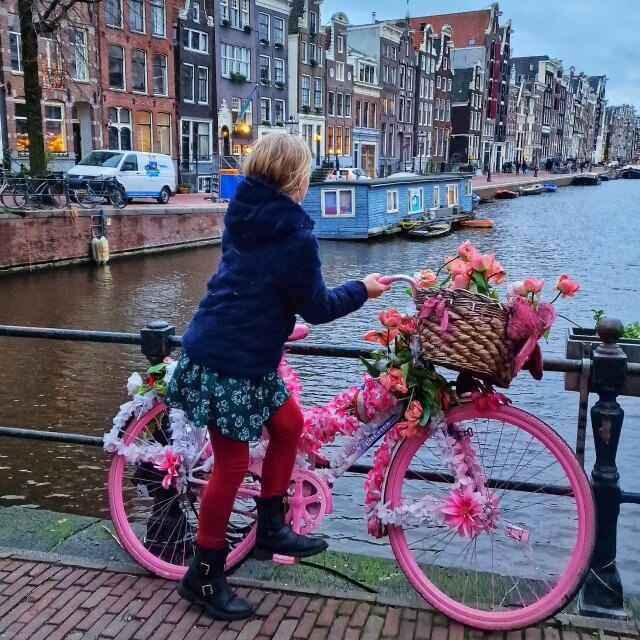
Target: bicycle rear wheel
<point x="118" y="198"/>
<point x="532" y="564"/>
<point x="86" y="197"/>
<point x="158" y="525"/>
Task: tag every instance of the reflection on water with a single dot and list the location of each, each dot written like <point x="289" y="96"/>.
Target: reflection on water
<point x="76" y="387"/>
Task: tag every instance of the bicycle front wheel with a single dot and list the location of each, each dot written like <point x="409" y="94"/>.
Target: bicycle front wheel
<point x="118" y="198"/>
<point x="158" y="524"/>
<point x="532" y="563"/>
<point x="86" y="197"/>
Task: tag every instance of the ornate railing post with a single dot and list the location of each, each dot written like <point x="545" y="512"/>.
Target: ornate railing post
<point x="155" y="340"/>
<point x="602" y="591"/>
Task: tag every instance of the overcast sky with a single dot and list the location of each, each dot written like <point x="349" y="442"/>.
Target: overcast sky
<point x="595" y="36"/>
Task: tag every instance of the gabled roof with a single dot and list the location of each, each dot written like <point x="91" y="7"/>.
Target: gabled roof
<point x="527" y="66"/>
<point x="468" y="27"/>
<point x="594" y="81"/>
<point x="460" y="85"/>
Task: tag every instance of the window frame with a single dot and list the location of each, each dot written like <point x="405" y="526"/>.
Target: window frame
<point x="166" y="77"/>
<point x="182" y="85"/>
<point x="153" y="9"/>
<point x="118" y="5"/>
<point x="411" y="192"/>
<point x="142" y="91"/>
<point x="337" y="191"/>
<point x="199" y="79"/>
<point x="124" y="68"/>
<point x="142" y="16"/>
<point x="395" y="199"/>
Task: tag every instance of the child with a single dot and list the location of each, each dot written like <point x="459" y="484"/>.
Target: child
<point x="226" y="378"/>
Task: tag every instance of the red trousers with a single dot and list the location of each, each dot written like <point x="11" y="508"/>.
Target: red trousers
<point x="231" y="461"/>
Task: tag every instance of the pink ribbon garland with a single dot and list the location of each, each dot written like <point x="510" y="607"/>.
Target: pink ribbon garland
<point x="437" y="306"/>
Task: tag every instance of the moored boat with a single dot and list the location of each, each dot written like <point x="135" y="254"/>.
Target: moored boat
<point x="505" y="194"/>
<point x="586" y="179"/>
<point x="477" y="223"/>
<point x="533" y="190"/>
<point x="630" y="172"/>
<point x="431" y="230"/>
<point x="549" y="187"/>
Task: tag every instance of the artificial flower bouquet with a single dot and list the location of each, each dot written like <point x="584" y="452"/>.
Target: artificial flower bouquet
<point x="461" y="322"/>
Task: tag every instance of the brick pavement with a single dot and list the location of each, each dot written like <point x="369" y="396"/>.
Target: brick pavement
<point x="54" y="601"/>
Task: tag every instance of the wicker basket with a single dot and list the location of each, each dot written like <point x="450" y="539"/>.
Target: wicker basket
<point x="476" y="339"/>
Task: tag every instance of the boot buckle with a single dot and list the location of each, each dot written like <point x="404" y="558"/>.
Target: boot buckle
<point x="207" y="590"/>
<point x="207" y="567"/>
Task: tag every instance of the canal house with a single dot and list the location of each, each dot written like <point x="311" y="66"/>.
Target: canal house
<point x="361" y="209"/>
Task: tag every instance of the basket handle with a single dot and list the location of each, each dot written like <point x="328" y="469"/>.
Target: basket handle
<point x="400" y="278"/>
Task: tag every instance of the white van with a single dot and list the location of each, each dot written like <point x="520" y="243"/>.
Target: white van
<point x="143" y="175"/>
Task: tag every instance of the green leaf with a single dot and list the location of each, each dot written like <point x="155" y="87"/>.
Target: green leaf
<point x="157" y="368"/>
<point x="481" y="283"/>
<point x="408" y="291"/>
<point x="426" y="414"/>
<point x="405" y="370"/>
<point x="445" y="282"/>
<point x="371" y="369"/>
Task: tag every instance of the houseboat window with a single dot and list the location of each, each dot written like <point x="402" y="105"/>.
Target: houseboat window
<point x="415" y="201"/>
<point x="436" y="196"/>
<point x="452" y="195"/>
<point x="467" y="188"/>
<point x="392" y="201"/>
<point x="338" y="202"/>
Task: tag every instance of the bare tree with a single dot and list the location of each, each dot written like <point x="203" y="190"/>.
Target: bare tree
<point x="39" y="18"/>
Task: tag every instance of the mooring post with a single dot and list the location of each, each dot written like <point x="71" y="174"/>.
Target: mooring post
<point x="601" y="593"/>
<point x="155" y="340"/>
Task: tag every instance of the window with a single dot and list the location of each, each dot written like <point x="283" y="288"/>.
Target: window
<point x="409" y="79"/>
<point x="401" y="109"/>
<point x="196" y="140"/>
<point x="239" y="14"/>
<point x="385" y="50"/>
<point x="385" y="73"/>
<point x="224" y="9"/>
<point x="331" y="103"/>
<point x="365" y="119"/>
<point x="278" y="31"/>
<point x="306" y="89"/>
<point x="136" y="15"/>
<point x="143" y="131"/>
<point x="279" y="114"/>
<point x="436" y="196"/>
<point x="339" y="104"/>
<point x="313" y="22"/>
<point x="340" y="44"/>
<point x="330" y="149"/>
<point x="339" y="141"/>
<point x="367" y="73"/>
<point x="195" y="12"/>
<point x="452" y="195"/>
<point x="347" y="141"/>
<point x="195" y="41"/>
<point x="415" y="201"/>
<point x="265" y="111"/>
<point x="278" y="70"/>
<point x="340" y="71"/>
<point x="203" y="85"/>
<point x="265" y="68"/>
<point x="158" y="26"/>
<point x="403" y="71"/>
<point x="113" y="13"/>
<point x="438" y="78"/>
<point x="394" y="73"/>
<point x="317" y="93"/>
<point x="338" y="202"/>
<point x="163" y="133"/>
<point x="394" y="53"/>
<point x="312" y="53"/>
<point x="319" y="54"/>
<point x="392" y="201"/>
<point x="235" y="60"/>
<point x="264" y="26"/>
<point x="15" y="40"/>
<point x="54" y="134"/>
<point x="119" y="128"/>
<point x="116" y="68"/>
<point x="303" y="52"/>
<point x="79" y="56"/>
<point x="130" y="163"/>
<point x="358" y="110"/>
<point x="22" y="137"/>
<point x="159" y="75"/>
<point x="187" y="82"/>
<point x="139" y="71"/>
<point x="467" y="187"/>
<point x="449" y="84"/>
<point x="347" y="105"/>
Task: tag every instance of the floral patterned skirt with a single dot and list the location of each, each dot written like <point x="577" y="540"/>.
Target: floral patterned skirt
<point x="237" y="406"/>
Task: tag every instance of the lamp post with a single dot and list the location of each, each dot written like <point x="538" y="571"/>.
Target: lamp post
<point x="292" y="126"/>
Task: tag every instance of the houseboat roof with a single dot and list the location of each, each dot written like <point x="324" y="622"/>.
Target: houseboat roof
<point x="391" y="180"/>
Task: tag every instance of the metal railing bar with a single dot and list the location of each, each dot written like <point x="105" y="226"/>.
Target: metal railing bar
<point x="52" y="436"/>
<point x="70" y="334"/>
<point x="629" y="497"/>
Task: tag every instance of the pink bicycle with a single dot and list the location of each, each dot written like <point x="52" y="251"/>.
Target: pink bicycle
<point x="489" y="513"/>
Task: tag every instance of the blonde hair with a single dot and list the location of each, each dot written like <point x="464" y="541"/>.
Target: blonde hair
<point x="282" y="159"/>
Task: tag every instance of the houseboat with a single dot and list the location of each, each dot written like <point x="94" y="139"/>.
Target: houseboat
<point x="361" y="209"/>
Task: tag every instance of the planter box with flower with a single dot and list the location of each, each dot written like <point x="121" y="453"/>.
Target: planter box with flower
<point x="279" y="46"/>
<point x="583" y="342"/>
<point x="237" y="77"/>
<point x="247" y="28"/>
<point x="279" y="123"/>
<point x="313" y="62"/>
<point x="266" y="123"/>
<point x="225" y="23"/>
<point x="183" y="188"/>
<point x="264" y="42"/>
<point x="306" y="109"/>
<point x="265" y="82"/>
<point x="318" y="109"/>
<point x="279" y="85"/>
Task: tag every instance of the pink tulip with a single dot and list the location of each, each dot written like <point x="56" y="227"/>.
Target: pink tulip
<point x="407" y="429"/>
<point x="393" y="381"/>
<point x="407" y="325"/>
<point x="566" y="286"/>
<point x="456" y="267"/>
<point x="414" y="412"/>
<point x="390" y="318"/>
<point x="496" y="273"/>
<point x="461" y="281"/>
<point x="372" y="336"/>
<point x="467" y="251"/>
<point x="482" y="263"/>
<point x="516" y="289"/>
<point x="531" y="285"/>
<point x="427" y="278"/>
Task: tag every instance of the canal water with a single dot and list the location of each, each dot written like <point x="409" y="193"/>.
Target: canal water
<point x="590" y="233"/>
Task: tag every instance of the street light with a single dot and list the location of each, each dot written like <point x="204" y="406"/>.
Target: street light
<point x="292" y="125"/>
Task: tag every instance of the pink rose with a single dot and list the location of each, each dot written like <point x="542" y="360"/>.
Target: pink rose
<point x="467" y="251"/>
<point x="457" y="266"/>
<point x="531" y="285"/>
<point x="393" y="381"/>
<point x="390" y="318"/>
<point x="414" y="412"/>
<point x="407" y="325"/>
<point x="496" y="273"/>
<point x="407" y="429"/>
<point x="516" y="289"/>
<point x="482" y="263"/>
<point x="461" y="281"/>
<point x="427" y="278"/>
<point x="566" y="286"/>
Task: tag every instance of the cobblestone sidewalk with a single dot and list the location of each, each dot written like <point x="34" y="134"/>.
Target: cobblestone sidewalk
<point x="52" y="601"/>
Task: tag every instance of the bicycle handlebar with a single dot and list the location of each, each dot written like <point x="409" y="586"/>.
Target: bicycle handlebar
<point x="400" y="278"/>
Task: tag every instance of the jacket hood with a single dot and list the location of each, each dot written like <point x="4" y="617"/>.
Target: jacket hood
<point x="259" y="213"/>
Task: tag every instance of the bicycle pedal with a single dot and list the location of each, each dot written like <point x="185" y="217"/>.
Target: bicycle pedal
<point x="279" y="559"/>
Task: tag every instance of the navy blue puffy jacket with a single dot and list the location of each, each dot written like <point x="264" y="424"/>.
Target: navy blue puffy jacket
<point x="269" y="272"/>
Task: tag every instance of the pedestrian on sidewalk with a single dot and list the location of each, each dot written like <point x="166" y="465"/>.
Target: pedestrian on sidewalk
<point x="525" y="167"/>
<point x="517" y="163"/>
<point x="226" y="378"/>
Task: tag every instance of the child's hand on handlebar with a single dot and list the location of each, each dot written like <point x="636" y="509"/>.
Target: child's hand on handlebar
<point x="375" y="288"/>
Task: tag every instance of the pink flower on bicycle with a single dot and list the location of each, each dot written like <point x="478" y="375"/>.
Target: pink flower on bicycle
<point x="426" y="278"/>
<point x="170" y="466"/>
<point x="414" y="412"/>
<point x="406" y="429"/>
<point x="496" y="273"/>
<point x="393" y="381"/>
<point x="390" y="318"/>
<point x="407" y="325"/>
<point x="532" y="285"/>
<point x="482" y="262"/>
<point x="462" y="510"/>
<point x="566" y="286"/>
<point x="467" y="251"/>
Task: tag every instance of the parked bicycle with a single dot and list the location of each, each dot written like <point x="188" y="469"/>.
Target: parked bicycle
<point x="31" y="193"/>
<point x="488" y="512"/>
<point x="93" y="193"/>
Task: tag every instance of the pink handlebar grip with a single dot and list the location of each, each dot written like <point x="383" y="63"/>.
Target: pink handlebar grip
<point x="385" y="280"/>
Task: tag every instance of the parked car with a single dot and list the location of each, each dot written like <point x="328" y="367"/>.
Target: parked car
<point x="403" y="174"/>
<point x="142" y="175"/>
<point x="348" y="173"/>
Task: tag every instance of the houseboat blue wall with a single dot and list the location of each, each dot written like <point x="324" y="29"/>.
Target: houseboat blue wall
<point x="371" y="215"/>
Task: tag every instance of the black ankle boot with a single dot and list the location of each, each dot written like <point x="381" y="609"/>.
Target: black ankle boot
<point x="205" y="584"/>
<point x="275" y="536"/>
